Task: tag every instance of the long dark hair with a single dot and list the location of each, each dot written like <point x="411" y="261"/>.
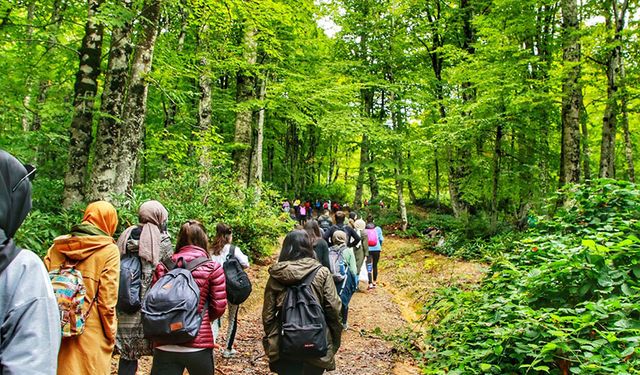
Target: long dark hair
<point x="223" y="237"/>
<point x="192" y="233"/>
<point x="313" y="229"/>
<point x="296" y="245"/>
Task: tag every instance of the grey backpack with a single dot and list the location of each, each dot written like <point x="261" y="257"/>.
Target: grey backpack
<point x="170" y="308"/>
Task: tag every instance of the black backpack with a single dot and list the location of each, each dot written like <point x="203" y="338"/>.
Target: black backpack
<point x="130" y="287"/>
<point x="237" y="281"/>
<point x="325" y="223"/>
<point x="170" y="308"/>
<point x="304" y="329"/>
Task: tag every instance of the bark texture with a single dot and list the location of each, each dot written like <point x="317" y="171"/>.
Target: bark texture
<point x="103" y="171"/>
<point x="245" y="91"/>
<point x="135" y="107"/>
<point x="256" y="157"/>
<point x="85" y="89"/>
<point x="614" y="20"/>
<point x="571" y="95"/>
<point x="204" y="121"/>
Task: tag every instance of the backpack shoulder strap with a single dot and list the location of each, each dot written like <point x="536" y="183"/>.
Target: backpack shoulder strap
<point x="169" y="264"/>
<point x="232" y="252"/>
<point x="197" y="262"/>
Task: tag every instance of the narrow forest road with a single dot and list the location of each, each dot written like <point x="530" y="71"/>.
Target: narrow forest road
<point x="407" y="274"/>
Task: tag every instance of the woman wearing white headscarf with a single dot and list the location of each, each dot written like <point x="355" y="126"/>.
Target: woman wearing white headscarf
<point x="150" y="241"/>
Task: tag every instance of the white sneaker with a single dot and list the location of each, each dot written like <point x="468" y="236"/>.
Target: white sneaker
<point x="229" y="353"/>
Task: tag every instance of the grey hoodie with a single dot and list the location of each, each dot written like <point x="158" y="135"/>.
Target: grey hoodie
<point x="29" y="316"/>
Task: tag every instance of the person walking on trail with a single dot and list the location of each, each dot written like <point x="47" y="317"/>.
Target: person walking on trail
<point x="220" y="250"/>
<point x="320" y="246"/>
<point x="361" y="251"/>
<point x="195" y="356"/>
<point x="352" y="237"/>
<point x="374" y="239"/>
<point x="302" y="214"/>
<point x="295" y="264"/>
<point x="347" y="287"/>
<point x="286" y="206"/>
<point x="29" y="316"/>
<point x="324" y="221"/>
<point x="91" y="250"/>
<point x="149" y="242"/>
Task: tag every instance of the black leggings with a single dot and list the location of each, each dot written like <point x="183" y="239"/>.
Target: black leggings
<point x="174" y="363"/>
<point x="375" y="258"/>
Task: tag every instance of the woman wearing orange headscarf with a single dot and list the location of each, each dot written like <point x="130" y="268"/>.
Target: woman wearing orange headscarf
<point x="91" y="245"/>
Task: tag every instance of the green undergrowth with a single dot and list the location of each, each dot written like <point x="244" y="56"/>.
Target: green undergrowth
<point x="564" y="298"/>
<point x="257" y="223"/>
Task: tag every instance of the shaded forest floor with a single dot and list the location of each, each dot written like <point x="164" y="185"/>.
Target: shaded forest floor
<point x="408" y="276"/>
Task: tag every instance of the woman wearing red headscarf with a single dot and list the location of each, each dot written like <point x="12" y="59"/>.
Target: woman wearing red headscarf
<point x="91" y="247"/>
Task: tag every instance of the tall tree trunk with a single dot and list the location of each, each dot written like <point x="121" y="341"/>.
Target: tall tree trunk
<point x="412" y="193"/>
<point x="204" y="121"/>
<point x="586" y="154"/>
<point x="42" y="97"/>
<point x="571" y="95"/>
<point x="400" y="190"/>
<point x="256" y="158"/>
<point x="497" y="155"/>
<point x="373" y="180"/>
<point x="614" y="19"/>
<point x="628" y="145"/>
<point x="437" y="167"/>
<point x="85" y="90"/>
<point x="364" y="159"/>
<point x="26" y="101"/>
<point x="135" y="107"/>
<point x="103" y="171"/>
<point x="245" y="91"/>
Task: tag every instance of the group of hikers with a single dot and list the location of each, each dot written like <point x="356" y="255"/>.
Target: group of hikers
<point x="304" y="210"/>
<point x="142" y="296"/>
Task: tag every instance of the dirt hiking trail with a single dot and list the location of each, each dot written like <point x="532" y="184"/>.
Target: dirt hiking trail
<point x="408" y="276"/>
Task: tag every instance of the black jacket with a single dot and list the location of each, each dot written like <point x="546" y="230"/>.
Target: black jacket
<point x="352" y="236"/>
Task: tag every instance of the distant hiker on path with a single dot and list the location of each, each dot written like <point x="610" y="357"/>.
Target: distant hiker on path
<point x="295" y="263"/>
<point x="220" y="249"/>
<point x="352" y="237"/>
<point x="149" y="244"/>
<point x="361" y="251"/>
<point x="29" y="315"/>
<point x="320" y="246"/>
<point x="91" y="250"/>
<point x="344" y="266"/>
<point x="375" y="239"/>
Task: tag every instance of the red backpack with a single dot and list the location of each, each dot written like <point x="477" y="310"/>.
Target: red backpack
<point x="372" y="237"/>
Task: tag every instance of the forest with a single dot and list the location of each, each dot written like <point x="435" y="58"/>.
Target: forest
<point x="508" y="125"/>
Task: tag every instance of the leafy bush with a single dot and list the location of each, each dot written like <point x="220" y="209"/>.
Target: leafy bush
<point x="564" y="300"/>
<point x="256" y="223"/>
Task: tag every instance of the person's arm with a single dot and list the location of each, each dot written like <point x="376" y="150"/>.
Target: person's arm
<point x="332" y="307"/>
<point x="354" y="238"/>
<point x="351" y="261"/>
<point x="166" y="249"/>
<point x="108" y="295"/>
<point x="242" y="258"/>
<point x="269" y="320"/>
<point x="30" y="332"/>
<point x="217" y="292"/>
<point x="365" y="244"/>
<point x="380" y="236"/>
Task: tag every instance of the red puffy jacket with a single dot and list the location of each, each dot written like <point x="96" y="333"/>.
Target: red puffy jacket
<point x="210" y="279"/>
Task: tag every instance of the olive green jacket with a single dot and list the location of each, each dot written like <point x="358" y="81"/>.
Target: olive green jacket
<point x="289" y="273"/>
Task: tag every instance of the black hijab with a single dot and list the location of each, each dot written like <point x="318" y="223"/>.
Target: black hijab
<point x="14" y="205"/>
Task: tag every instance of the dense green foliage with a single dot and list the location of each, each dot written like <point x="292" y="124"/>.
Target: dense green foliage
<point x="256" y="223"/>
<point x="563" y="298"/>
